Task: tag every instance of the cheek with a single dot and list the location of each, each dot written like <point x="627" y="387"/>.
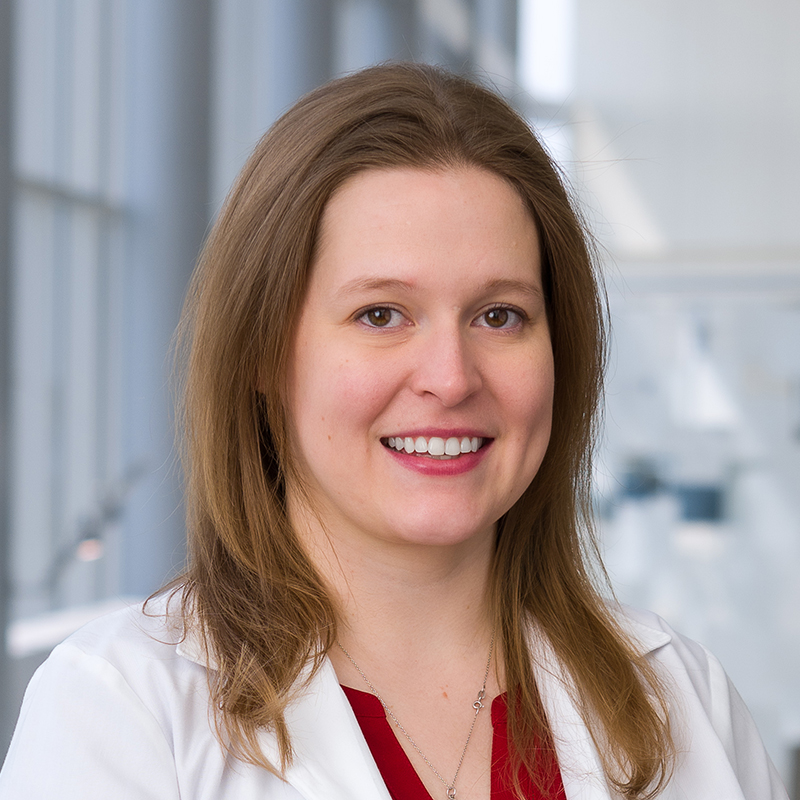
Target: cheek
<point x="535" y="415"/>
<point x="363" y="389"/>
<point x="542" y="392"/>
<point x="334" y="396"/>
<point x="529" y="397"/>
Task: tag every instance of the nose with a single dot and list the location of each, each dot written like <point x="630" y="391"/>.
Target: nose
<point x="446" y="367"/>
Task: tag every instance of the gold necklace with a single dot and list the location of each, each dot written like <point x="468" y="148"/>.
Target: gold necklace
<point x="477" y="705"/>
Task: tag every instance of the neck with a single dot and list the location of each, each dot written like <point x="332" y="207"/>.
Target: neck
<point x="408" y="603"/>
<point x="415" y="627"/>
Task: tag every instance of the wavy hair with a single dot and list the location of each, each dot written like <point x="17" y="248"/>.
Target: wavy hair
<point x="255" y="597"/>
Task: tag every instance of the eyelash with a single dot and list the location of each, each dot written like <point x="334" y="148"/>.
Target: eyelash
<point x="521" y="316"/>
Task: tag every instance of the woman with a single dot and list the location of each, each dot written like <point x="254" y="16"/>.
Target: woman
<point x="395" y="350"/>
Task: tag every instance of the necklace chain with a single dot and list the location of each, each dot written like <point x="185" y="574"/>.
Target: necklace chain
<point x="477" y="705"/>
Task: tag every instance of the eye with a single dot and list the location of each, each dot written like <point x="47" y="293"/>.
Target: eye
<point x="381" y="317"/>
<point x="500" y="317"/>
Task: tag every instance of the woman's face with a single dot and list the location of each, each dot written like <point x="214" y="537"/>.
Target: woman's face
<point x="423" y="335"/>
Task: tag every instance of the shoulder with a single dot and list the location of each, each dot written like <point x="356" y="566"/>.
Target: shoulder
<point x="686" y="666"/>
<point x="122" y="709"/>
<point x="111" y="707"/>
<point x="132" y="667"/>
<point x="102" y="692"/>
<point x="650" y="633"/>
<point x="711" y="722"/>
<point x="687" y="662"/>
<point x="131" y="659"/>
<point x="141" y="643"/>
<point x="155" y="623"/>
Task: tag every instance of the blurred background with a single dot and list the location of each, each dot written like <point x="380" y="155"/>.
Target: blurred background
<point x="677" y="123"/>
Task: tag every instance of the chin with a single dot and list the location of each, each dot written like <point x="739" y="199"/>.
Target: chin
<point x="439" y="535"/>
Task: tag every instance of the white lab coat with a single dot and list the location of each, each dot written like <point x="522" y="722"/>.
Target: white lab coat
<point x="119" y="711"/>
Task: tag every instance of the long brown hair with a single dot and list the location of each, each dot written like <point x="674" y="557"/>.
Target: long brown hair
<point x="256" y="598"/>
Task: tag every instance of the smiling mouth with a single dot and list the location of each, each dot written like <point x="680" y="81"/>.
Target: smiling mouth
<point x="435" y="446"/>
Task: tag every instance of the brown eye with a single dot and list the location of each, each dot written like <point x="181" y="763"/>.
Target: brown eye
<point x="497" y="317"/>
<point x="380" y="317"/>
<point x="502" y="318"/>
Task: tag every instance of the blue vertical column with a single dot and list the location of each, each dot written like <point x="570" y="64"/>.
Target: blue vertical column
<point x="368" y="32"/>
<point x="267" y="54"/>
<point x="6" y="195"/>
<point x="296" y="50"/>
<point x="495" y="40"/>
<point x="168" y="115"/>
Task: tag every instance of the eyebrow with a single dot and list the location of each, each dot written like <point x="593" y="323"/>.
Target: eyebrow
<point x="367" y="284"/>
<point x="395" y="284"/>
<point x="509" y="285"/>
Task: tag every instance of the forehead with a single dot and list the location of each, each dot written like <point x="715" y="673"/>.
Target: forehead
<point x="384" y="194"/>
<point x="426" y="222"/>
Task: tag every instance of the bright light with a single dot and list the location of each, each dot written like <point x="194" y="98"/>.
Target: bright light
<point x="545" y="48"/>
<point x="90" y="550"/>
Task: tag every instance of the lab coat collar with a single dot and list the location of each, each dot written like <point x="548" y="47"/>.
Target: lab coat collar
<point x="643" y="636"/>
<point x="331" y="757"/>
<point x="332" y="760"/>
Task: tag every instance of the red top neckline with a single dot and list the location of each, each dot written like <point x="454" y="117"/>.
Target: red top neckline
<point x="402" y="780"/>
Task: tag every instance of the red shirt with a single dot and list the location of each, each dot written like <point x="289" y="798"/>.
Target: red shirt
<point x="402" y="780"/>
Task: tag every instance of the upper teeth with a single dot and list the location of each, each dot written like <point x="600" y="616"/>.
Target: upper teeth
<point x="436" y="446"/>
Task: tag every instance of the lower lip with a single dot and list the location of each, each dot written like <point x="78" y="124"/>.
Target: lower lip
<point x="440" y="466"/>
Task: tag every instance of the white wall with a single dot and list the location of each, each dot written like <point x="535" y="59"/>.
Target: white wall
<point x="683" y="120"/>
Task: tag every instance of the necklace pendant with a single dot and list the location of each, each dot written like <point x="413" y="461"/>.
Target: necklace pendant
<point x="477" y="705"/>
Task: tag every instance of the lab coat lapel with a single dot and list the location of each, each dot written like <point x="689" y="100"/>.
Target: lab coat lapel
<point x="332" y="759"/>
<point x="581" y="768"/>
